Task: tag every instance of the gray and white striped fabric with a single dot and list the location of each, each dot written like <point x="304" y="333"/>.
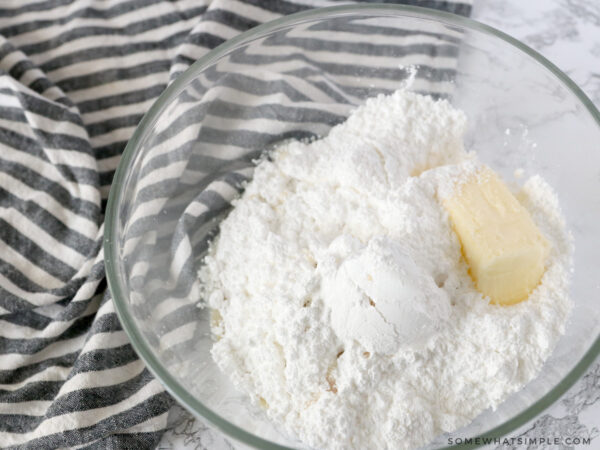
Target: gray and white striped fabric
<point x="75" y="79"/>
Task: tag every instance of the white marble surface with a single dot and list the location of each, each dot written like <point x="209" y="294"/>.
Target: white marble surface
<point x="568" y="33"/>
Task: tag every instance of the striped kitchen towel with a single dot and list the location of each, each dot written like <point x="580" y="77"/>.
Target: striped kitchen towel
<point x="76" y="76"/>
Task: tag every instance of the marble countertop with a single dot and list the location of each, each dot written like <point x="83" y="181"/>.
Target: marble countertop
<point x="567" y="32"/>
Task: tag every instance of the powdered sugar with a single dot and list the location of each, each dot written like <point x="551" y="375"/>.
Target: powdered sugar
<point x="379" y="295"/>
<point x="310" y="219"/>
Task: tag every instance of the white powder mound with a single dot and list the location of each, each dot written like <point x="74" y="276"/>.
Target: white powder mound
<point x="344" y="306"/>
<point x="379" y="296"/>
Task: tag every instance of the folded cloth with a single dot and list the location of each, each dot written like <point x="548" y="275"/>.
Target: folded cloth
<point x="76" y="77"/>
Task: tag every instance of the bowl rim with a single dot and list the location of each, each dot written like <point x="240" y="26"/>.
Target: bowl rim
<point x="111" y="255"/>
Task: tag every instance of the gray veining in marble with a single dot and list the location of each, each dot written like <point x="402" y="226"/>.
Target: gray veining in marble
<point x="567" y="32"/>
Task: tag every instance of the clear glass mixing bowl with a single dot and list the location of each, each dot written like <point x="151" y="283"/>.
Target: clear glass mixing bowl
<point x="297" y="77"/>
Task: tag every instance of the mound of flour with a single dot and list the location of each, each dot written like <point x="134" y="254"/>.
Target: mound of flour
<point x="300" y="329"/>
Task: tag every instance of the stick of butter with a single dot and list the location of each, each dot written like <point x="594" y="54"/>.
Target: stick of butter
<point x="502" y="245"/>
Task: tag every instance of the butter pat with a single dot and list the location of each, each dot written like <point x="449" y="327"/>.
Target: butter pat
<point x="502" y="245"/>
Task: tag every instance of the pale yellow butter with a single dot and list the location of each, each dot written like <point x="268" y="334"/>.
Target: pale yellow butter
<point x="502" y="245"/>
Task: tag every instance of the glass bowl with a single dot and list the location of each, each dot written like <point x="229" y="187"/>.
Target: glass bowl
<point x="297" y="77"/>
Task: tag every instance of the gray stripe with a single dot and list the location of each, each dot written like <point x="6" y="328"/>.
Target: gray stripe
<point x="42" y="107"/>
<point x="18" y="423"/>
<point x="251" y="85"/>
<point x="79" y="175"/>
<point x="130" y="29"/>
<point x="33" y="345"/>
<point x="127" y="441"/>
<point x="13" y="303"/>
<point x="20" y="374"/>
<point x="364" y="48"/>
<point x="114" y="123"/>
<point x="131" y="97"/>
<point x="350" y="25"/>
<point x="58" y="140"/>
<point x="112" y="75"/>
<point x="35" y="180"/>
<point x="26" y="247"/>
<point x="365" y="71"/>
<point x="107" y="51"/>
<point x="230" y="18"/>
<point x="280" y="7"/>
<point x="88" y="12"/>
<point x="39" y="390"/>
<point x="104" y="359"/>
<point x="37" y="6"/>
<point x="99" y="396"/>
<point x="151" y="407"/>
<point x="201" y="39"/>
<point x="23" y="143"/>
<point x="14" y="114"/>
